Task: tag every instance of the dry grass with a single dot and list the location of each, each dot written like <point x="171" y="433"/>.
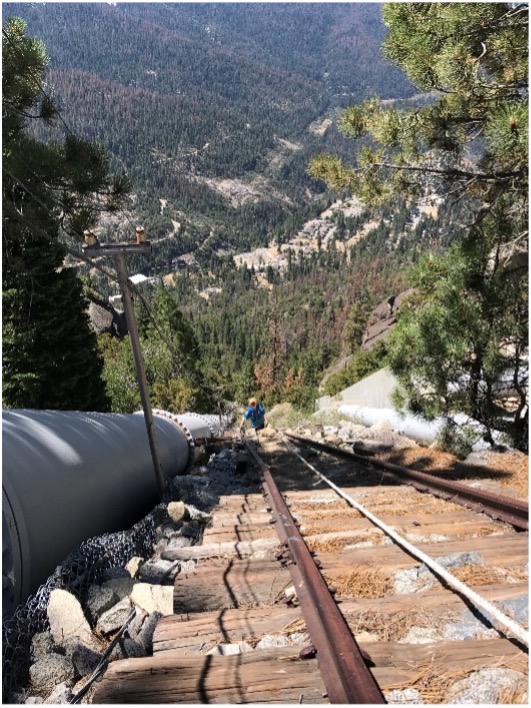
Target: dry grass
<point x="513" y="697"/>
<point x="297" y="625"/>
<point x="419" y="503"/>
<point x="478" y="575"/>
<point x="300" y="507"/>
<point x="336" y="545"/>
<point x="330" y="545"/>
<point x="329" y="514"/>
<point x="433" y="681"/>
<point x="362" y="582"/>
<point x="334" y="526"/>
<point x="510" y="470"/>
<point x="490" y="530"/>
<point x="395" y="626"/>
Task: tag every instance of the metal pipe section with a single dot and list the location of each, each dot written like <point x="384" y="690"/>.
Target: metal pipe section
<point x="423" y="431"/>
<point x="70" y="475"/>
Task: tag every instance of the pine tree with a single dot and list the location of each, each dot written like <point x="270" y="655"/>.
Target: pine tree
<point x="467" y="140"/>
<point x="50" y="355"/>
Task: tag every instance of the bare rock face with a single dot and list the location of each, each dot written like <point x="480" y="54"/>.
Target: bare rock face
<point x="382" y="319"/>
<point x="104" y="318"/>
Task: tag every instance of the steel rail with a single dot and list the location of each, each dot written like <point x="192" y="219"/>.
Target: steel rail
<point x="512" y="511"/>
<point x="343" y="669"/>
<point x="481" y="603"/>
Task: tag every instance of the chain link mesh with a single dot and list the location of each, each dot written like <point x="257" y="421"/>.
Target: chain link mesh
<point x="82" y="567"/>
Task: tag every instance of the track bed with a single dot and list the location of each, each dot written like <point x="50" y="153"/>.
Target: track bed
<point x="238" y="628"/>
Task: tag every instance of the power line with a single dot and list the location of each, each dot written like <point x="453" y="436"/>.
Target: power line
<point x="112" y="275"/>
<point x="37" y="229"/>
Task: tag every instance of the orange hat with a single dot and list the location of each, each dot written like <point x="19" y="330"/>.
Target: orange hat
<point x="252" y="401"/>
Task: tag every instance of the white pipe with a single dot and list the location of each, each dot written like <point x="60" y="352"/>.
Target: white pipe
<point x="422" y="431"/>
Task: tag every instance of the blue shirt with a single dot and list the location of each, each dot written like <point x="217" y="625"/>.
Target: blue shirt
<point x="255" y="415"/>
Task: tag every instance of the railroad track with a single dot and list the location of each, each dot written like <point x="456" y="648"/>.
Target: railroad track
<point x="257" y="621"/>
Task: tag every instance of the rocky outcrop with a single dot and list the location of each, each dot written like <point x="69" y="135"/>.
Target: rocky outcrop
<point x="104" y="318"/>
<point x="382" y="319"/>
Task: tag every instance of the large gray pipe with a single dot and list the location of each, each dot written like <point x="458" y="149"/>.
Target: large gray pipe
<point x="68" y="476"/>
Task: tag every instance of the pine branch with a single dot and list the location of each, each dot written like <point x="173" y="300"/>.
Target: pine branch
<point x="452" y="172"/>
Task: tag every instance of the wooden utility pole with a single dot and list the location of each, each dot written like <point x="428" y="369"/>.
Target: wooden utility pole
<point x="94" y="249"/>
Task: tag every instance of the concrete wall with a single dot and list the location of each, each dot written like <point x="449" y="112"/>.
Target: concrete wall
<point x="374" y="391"/>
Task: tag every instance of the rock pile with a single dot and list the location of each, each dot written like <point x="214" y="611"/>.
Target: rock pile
<point x="82" y="628"/>
<point x="348" y="435"/>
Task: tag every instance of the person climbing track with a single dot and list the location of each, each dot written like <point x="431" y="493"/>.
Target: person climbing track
<point x="256" y="415"/>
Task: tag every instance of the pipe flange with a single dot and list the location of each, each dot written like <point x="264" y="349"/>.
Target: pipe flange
<point x="205" y="421"/>
<point x="187" y="434"/>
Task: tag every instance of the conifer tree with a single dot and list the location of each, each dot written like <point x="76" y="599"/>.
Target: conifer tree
<point x="468" y="140"/>
<point x="50" y="356"/>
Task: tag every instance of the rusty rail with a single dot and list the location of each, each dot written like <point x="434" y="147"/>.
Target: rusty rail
<point x="343" y="669"/>
<point x="512" y="511"/>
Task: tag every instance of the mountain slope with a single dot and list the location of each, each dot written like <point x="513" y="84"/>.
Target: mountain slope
<point x="183" y="93"/>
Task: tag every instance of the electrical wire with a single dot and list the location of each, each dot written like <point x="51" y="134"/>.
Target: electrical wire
<point x="89" y="261"/>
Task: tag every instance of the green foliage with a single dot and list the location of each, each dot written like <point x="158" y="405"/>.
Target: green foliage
<point x="355" y="324"/>
<point x="50" y="353"/>
<point x="474" y="57"/>
<point x="183" y="93"/>
<point x="119" y="374"/>
<point x="172" y="358"/>
<point x="457" y="440"/>
<point x="469" y="139"/>
<point x="467" y="335"/>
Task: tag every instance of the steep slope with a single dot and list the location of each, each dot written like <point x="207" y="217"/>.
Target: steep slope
<point x="184" y="93"/>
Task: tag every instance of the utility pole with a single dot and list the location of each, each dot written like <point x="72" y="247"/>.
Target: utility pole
<point x="93" y="249"/>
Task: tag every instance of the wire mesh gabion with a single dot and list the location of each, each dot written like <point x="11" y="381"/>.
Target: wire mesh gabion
<point x="83" y="567"/>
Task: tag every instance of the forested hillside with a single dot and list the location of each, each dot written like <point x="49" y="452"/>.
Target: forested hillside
<point x="186" y="95"/>
<point x="226" y="127"/>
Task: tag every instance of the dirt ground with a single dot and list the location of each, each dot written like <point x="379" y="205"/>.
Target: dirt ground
<point x="500" y="472"/>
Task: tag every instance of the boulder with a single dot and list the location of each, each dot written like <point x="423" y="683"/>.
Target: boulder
<point x="67" y="620"/>
<point x="83" y="659"/>
<point x="116" y="572"/>
<point x="121" y="587"/>
<point x="114" y="618"/>
<point x="133" y="565"/>
<point x="153" y="598"/>
<point x="50" y="671"/>
<point x="60" y="694"/>
<point x="156" y="571"/>
<point x="177" y="511"/>
<point x="145" y="636"/>
<point x="382" y="319"/>
<point x="191" y="529"/>
<point x="104" y="318"/>
<point x="42" y="644"/>
<point x="133" y="649"/>
<point x="100" y="599"/>
<point x="485" y="686"/>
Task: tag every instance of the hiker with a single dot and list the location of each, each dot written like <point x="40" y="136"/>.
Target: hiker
<point x="256" y="414"/>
